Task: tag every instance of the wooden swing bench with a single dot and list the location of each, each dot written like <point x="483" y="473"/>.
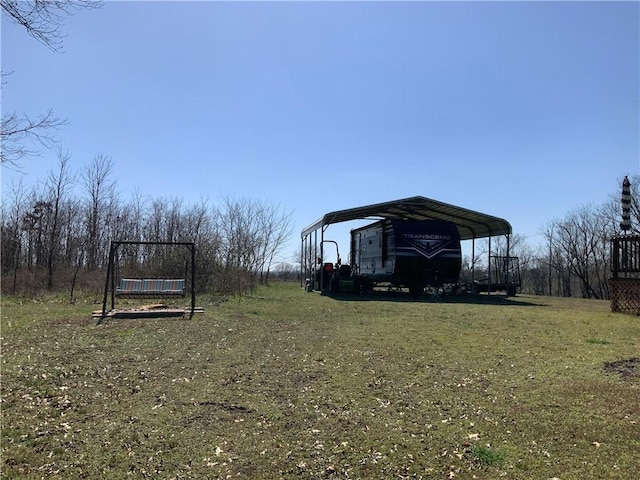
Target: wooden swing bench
<point x="151" y="288"/>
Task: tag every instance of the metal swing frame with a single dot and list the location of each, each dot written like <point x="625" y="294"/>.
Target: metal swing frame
<point x="110" y="282"/>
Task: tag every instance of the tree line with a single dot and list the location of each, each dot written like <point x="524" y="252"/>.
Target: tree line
<point x="53" y="239"/>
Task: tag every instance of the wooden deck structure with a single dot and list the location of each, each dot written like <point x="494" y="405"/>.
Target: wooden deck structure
<point x="158" y="310"/>
<point x="624" y="286"/>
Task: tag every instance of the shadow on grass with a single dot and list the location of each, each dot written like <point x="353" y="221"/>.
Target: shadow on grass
<point x="474" y="299"/>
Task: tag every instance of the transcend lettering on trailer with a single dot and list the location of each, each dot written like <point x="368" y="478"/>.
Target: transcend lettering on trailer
<point x="418" y="236"/>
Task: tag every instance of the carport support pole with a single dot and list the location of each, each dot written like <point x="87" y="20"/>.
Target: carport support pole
<point x="315" y="252"/>
<point x="489" y="268"/>
<point x="301" y="257"/>
<point x="192" y="247"/>
<point x="506" y="275"/>
<point x="473" y="261"/>
<point x="322" y="257"/>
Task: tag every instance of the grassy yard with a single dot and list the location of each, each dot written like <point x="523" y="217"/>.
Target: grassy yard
<point x="289" y="384"/>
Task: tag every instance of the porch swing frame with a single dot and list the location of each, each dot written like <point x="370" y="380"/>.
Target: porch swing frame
<point x="110" y="290"/>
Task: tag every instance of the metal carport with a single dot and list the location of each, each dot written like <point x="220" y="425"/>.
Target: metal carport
<point x="471" y="225"/>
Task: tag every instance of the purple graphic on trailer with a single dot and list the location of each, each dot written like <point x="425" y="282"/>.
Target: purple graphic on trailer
<point x="429" y="239"/>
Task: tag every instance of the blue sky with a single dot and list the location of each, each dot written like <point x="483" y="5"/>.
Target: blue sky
<point x="522" y="110"/>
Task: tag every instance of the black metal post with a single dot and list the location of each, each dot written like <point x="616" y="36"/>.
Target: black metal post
<point x="193" y="278"/>
<point x="106" y="283"/>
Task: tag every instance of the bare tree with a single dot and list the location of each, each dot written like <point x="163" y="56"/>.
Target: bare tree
<point x="58" y="184"/>
<point x="100" y="188"/>
<point x="19" y="136"/>
<point x="43" y="18"/>
<point x="201" y="227"/>
<point x="579" y="248"/>
<point x="75" y="242"/>
<point x="14" y="208"/>
<point x="252" y="232"/>
<point x="274" y="229"/>
<point x="239" y="245"/>
<point x="129" y="225"/>
<point x="537" y="274"/>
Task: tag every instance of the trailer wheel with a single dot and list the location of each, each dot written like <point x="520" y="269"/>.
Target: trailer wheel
<point x="416" y="289"/>
<point x="334" y="283"/>
<point x="365" y="286"/>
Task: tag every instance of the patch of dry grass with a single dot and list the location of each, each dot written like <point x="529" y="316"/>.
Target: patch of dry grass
<point x="288" y="384"/>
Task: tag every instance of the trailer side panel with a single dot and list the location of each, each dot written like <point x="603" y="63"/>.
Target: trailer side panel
<point x="408" y="253"/>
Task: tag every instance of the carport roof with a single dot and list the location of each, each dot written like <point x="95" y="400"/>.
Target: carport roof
<point x="470" y="224"/>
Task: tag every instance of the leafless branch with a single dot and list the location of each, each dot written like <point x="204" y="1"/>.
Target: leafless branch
<point x="20" y="134"/>
<point x="43" y="18"/>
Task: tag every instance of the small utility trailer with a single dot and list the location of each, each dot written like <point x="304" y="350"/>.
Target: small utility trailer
<point x="504" y="277"/>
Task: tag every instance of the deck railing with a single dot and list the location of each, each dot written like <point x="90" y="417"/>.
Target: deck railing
<point x="625" y="256"/>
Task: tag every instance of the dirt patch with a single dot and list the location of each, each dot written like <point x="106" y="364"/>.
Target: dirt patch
<point x="627" y="368"/>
